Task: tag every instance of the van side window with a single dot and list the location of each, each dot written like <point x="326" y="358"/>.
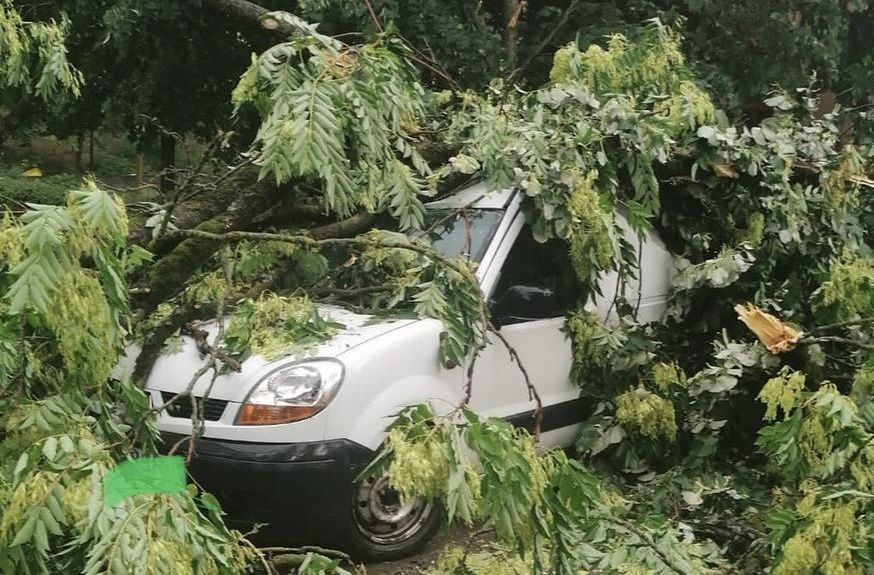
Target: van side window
<point x="537" y="281"/>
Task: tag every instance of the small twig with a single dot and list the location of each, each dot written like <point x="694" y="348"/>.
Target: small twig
<point x="268" y="568"/>
<point x="196" y="419"/>
<point x="430" y="63"/>
<point x="373" y="17"/>
<point x="833" y="339"/>
<point x="200" y="339"/>
<point x="20" y="204"/>
<point x="437" y="70"/>
<point x="639" y="276"/>
<point x="841" y="324"/>
<point x="187" y="392"/>
<point x="356" y="291"/>
<point x="233" y="171"/>
<point x="307" y="549"/>
<point x="118" y="189"/>
<point x="466" y="248"/>
<point x="549" y="37"/>
<point x="650" y="542"/>
<point x="471" y="540"/>
<point x="532" y="391"/>
<point x="310" y="242"/>
<point x="181" y="189"/>
<point x="615" y="301"/>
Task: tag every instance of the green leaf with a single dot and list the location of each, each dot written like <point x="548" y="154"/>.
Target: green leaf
<point x="20" y="466"/>
<point x="25" y="533"/>
<point x="50" y="448"/>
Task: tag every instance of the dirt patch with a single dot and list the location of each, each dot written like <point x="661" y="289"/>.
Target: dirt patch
<point x="418" y="564"/>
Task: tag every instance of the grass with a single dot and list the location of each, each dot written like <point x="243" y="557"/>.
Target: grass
<point x="114" y="162"/>
<point x="16" y="190"/>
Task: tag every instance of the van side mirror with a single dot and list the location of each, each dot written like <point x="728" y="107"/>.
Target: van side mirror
<point x="520" y="303"/>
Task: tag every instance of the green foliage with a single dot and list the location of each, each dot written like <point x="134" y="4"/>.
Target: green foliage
<point x="346" y="115"/>
<point x="849" y="287"/>
<point x="66" y="423"/>
<point x="824" y="448"/>
<point x="541" y="505"/>
<point x="43" y="276"/>
<point x="464" y="39"/>
<point x="608" y="110"/>
<point x="454" y="560"/>
<point x="747" y="47"/>
<point x="418" y="279"/>
<point x="272" y="326"/>
<point x="54" y="519"/>
<point x="782" y="392"/>
<point x="647" y="414"/>
<point x="590" y="239"/>
<point x="628" y="125"/>
<point x="592" y="344"/>
<point x="33" y="57"/>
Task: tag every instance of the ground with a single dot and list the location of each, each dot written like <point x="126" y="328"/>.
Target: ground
<point x="458" y="536"/>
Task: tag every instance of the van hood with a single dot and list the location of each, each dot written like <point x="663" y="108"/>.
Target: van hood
<point x="173" y="372"/>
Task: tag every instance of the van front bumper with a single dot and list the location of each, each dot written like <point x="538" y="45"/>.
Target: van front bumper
<point x="300" y="490"/>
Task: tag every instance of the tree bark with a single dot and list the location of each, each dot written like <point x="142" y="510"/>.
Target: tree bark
<point x="168" y="162"/>
<point x="169" y="274"/>
<point x="138" y="179"/>
<point x="512" y="12"/>
<point x="241" y="9"/>
<point x="91" y="150"/>
<point x="77" y="154"/>
<point x="250" y="13"/>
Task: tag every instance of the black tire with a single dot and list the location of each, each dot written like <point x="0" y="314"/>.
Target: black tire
<point x="368" y="538"/>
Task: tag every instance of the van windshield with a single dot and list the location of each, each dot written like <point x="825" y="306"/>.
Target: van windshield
<point x="453" y="232"/>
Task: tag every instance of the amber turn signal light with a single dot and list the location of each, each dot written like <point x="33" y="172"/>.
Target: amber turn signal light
<point x="253" y="414"/>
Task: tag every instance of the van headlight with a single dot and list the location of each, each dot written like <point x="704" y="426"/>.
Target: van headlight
<point x="292" y="393"/>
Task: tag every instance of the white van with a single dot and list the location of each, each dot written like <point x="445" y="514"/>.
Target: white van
<point x="284" y="440"/>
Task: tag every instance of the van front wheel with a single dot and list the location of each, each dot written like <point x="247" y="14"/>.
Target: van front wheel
<point x="382" y="527"/>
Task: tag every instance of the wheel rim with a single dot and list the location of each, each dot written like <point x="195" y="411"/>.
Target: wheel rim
<point x="382" y="518"/>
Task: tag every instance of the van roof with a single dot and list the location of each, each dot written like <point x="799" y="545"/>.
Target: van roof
<point x="475" y="196"/>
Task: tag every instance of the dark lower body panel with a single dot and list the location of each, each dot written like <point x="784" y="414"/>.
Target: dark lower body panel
<point x="302" y="491"/>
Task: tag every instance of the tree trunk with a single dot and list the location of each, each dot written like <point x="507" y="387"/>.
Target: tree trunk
<point x="91" y="150"/>
<point x="138" y="178"/>
<point x="512" y="11"/>
<point x="77" y="154"/>
<point x="168" y="163"/>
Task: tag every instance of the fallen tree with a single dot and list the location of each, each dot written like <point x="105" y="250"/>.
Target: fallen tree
<point x="739" y="457"/>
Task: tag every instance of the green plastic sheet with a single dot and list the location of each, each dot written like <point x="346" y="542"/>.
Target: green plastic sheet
<point x="144" y="476"/>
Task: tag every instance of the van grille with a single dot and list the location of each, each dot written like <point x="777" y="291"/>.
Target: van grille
<point x="212" y="409"/>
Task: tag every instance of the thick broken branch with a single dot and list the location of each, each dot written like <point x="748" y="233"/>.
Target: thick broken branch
<point x="251" y="13"/>
<point x="170" y="274"/>
<point x="344" y="228"/>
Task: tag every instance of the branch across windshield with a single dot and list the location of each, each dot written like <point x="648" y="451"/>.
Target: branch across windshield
<point x="456" y="232"/>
